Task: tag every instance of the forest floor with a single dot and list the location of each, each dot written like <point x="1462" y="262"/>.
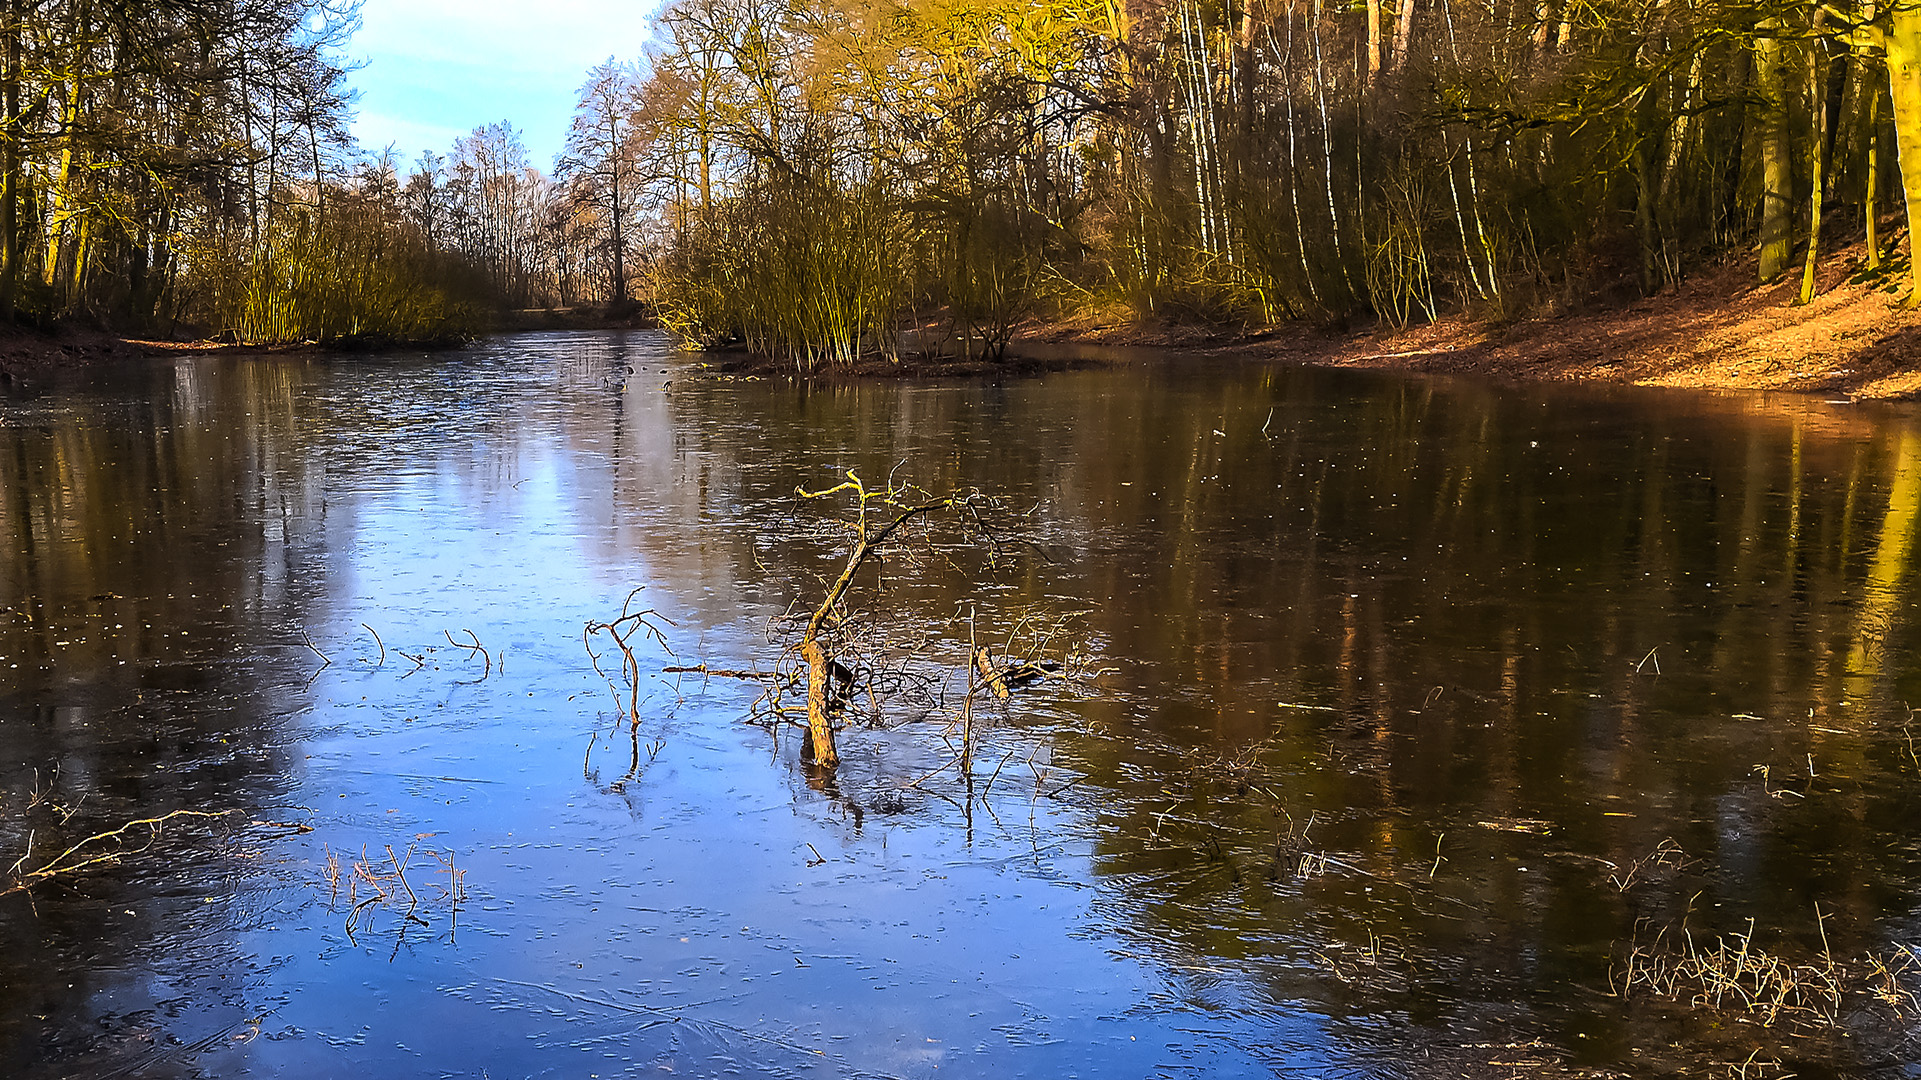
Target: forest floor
<point x="1718" y="330"/>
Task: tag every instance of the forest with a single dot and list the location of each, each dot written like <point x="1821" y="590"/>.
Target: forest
<point x="812" y="179"/>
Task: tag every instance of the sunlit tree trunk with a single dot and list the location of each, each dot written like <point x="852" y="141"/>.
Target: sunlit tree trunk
<point x="1543" y="26"/>
<point x="1904" y="94"/>
<point x="1293" y="169"/>
<point x="62" y="208"/>
<point x="1817" y="144"/>
<point x="1249" y="79"/>
<point x="1680" y="133"/>
<point x="1483" y="247"/>
<point x="1870" y="196"/>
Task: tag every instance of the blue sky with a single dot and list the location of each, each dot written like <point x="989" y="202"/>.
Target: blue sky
<point x="436" y="69"/>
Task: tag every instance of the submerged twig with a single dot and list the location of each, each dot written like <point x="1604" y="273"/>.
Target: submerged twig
<point x="59" y="865"/>
<point x="717" y="673"/>
<point x="476" y="647"/>
<point x="622" y="630"/>
<point x="307" y="640"/>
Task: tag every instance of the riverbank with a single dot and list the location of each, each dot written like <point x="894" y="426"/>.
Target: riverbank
<point x="25" y="351"/>
<point x="1719" y="330"/>
<point x="29" y="355"/>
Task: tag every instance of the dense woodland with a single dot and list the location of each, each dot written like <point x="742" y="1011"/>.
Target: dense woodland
<point x="813" y="177"/>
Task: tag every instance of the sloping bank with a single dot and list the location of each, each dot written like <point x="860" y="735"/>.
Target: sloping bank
<point x="1718" y="331"/>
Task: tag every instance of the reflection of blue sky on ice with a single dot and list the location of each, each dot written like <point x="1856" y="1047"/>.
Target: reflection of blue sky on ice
<point x="603" y="903"/>
<point x="1121" y="922"/>
<point x="436" y="69"/>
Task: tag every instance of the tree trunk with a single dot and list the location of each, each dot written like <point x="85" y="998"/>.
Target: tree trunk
<point x="1777" y="172"/>
<point x="1327" y="156"/>
<point x="820" y="747"/>
<point x="1728" y="211"/>
<point x="1293" y="169"/>
<point x="1870" y="199"/>
<point x="1904" y="94"/>
<point x="1645" y="231"/>
<point x="10" y="164"/>
<point x="77" y="262"/>
<point x="620" y="235"/>
<point x="62" y="209"/>
<point x="1817" y="145"/>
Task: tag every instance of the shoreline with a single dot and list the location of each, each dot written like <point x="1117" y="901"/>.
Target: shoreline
<point x="1718" y="331"/>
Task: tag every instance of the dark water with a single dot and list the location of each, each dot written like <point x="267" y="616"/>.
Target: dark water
<point x="1418" y="707"/>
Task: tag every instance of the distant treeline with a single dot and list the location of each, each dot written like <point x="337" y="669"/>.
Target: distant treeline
<point x="179" y="163"/>
<point x="806" y="176"/>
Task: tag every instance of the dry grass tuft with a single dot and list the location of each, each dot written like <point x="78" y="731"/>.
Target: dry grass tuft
<point x="1734" y="973"/>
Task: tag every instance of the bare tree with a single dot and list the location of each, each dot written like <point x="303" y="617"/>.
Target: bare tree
<point x="599" y="162"/>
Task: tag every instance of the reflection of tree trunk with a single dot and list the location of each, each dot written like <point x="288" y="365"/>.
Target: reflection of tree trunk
<point x="1403" y="35"/>
<point x="1794" y="505"/>
<point x="28" y="549"/>
<point x="1373" y="42"/>
<point x="1880" y="593"/>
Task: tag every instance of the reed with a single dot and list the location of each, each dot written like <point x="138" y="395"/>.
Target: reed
<point x="344" y="276"/>
<point x="803" y="271"/>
